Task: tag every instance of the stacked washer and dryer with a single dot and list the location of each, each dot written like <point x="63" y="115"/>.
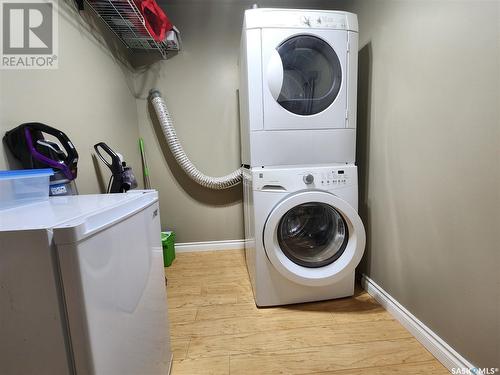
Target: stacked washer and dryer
<point x="298" y="78"/>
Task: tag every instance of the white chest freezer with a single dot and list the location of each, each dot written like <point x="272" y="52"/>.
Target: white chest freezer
<point x="82" y="288"/>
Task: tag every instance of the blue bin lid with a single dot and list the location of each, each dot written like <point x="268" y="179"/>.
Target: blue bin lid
<point x="22" y="173"/>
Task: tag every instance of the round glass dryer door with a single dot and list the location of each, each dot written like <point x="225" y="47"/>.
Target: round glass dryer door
<point x="312" y="234"/>
<point x="312" y="75"/>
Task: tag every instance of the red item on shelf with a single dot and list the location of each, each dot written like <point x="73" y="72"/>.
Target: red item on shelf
<point x="155" y="18"/>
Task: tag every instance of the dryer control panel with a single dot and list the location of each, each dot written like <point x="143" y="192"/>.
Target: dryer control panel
<point x="299" y="178"/>
<point x="304" y="19"/>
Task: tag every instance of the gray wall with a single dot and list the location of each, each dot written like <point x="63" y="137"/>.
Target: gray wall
<point x="199" y="85"/>
<point x="88" y="98"/>
<point x="428" y="153"/>
<point x="428" y="142"/>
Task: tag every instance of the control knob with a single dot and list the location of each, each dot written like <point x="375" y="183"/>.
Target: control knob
<point x="308" y="179"/>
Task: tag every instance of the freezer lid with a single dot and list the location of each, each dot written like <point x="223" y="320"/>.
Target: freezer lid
<point x="81" y="227"/>
<point x="57" y="211"/>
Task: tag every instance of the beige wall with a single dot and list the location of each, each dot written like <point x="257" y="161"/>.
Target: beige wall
<point x="199" y="85"/>
<point x="88" y="98"/>
<point x="428" y="142"/>
<point x="428" y="152"/>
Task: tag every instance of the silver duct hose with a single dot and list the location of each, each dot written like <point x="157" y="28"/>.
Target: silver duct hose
<point x="217" y="183"/>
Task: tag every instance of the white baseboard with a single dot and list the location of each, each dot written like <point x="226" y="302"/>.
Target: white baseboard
<point x="187" y="247"/>
<point x="432" y="342"/>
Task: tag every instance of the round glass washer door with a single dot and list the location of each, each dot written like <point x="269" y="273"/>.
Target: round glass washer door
<point x="310" y="75"/>
<point x="313" y="234"/>
<point x="314" y="238"/>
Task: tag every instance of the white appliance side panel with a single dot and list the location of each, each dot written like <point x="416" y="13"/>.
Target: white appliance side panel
<point x="352" y="73"/>
<point x="254" y="67"/>
<point x="288" y="147"/>
<point x="250" y="92"/>
<point x="116" y="300"/>
<point x="243" y="100"/>
<point x="275" y="116"/>
<point x="32" y="323"/>
<point x="249" y="225"/>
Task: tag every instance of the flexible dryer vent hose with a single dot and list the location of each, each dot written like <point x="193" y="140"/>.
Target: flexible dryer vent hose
<point x="180" y="156"/>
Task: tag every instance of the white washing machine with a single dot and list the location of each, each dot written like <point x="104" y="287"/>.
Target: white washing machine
<point x="303" y="235"/>
<point x="298" y="85"/>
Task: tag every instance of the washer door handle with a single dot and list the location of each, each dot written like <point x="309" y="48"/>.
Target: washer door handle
<point x="275" y="74"/>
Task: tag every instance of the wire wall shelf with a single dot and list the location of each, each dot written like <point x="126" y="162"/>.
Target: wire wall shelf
<point x="125" y="20"/>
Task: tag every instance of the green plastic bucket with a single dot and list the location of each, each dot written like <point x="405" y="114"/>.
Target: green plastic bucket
<point x="168" y="244"/>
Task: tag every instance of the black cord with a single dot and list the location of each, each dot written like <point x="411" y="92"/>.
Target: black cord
<point x="79" y="4"/>
<point x="109" y="184"/>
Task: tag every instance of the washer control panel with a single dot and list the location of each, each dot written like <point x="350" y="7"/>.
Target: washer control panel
<point x="298" y="178"/>
<point x="334" y="177"/>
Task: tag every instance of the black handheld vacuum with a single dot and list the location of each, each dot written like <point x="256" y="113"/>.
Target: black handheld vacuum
<point x="29" y="145"/>
<point x="122" y="178"/>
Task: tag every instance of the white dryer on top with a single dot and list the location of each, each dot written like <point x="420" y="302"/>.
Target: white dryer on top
<point x="298" y="87"/>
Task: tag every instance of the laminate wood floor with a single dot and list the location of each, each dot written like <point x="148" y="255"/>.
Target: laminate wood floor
<point x="217" y="329"/>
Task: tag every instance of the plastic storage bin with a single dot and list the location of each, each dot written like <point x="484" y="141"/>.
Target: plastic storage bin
<point x="23" y="186"/>
<point x="168" y="244"/>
